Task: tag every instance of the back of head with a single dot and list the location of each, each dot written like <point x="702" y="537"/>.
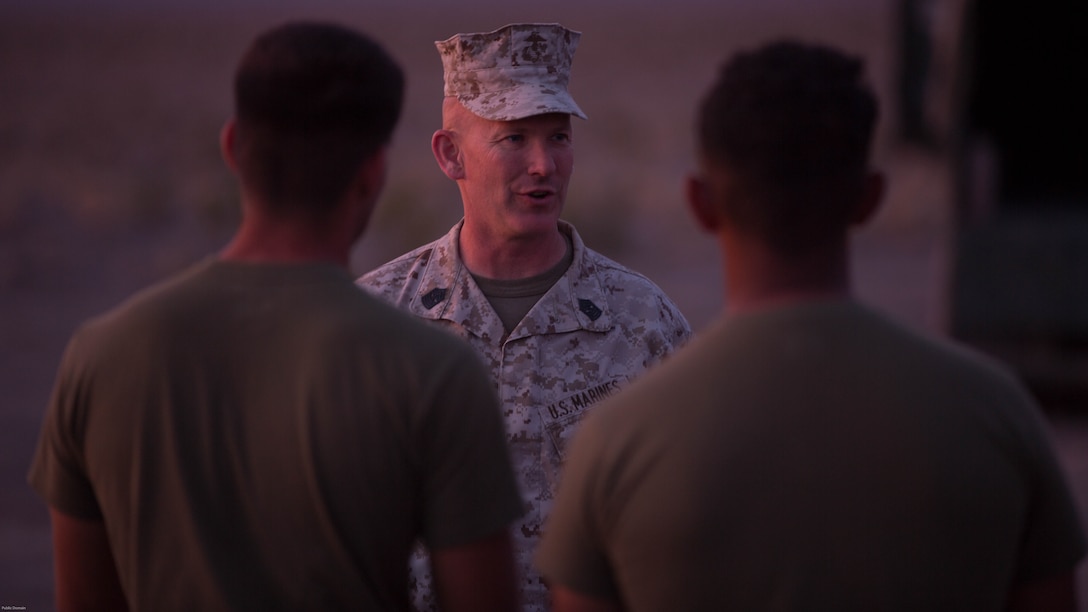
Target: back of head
<point x="312" y="101"/>
<point x="791" y="124"/>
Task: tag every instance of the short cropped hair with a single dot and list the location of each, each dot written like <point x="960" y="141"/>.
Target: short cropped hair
<point x="312" y="101"/>
<point x="793" y="124"/>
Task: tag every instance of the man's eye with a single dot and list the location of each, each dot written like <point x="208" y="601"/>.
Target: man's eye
<point x="562" y="137"/>
<point x="514" y="138"/>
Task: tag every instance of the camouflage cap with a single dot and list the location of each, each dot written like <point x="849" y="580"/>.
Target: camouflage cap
<point x="514" y="72"/>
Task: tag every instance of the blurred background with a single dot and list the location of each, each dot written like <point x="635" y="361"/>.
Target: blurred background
<point x="110" y="176"/>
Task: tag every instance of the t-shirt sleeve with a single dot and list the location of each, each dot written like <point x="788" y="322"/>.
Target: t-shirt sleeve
<point x="470" y="490"/>
<point x="572" y="552"/>
<point x="1053" y="539"/>
<point x="58" y="469"/>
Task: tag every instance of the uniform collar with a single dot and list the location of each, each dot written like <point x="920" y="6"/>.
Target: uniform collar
<point x="447" y="291"/>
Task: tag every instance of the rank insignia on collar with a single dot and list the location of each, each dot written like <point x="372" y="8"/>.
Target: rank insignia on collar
<point x="433" y="297"/>
<point x="589" y="309"/>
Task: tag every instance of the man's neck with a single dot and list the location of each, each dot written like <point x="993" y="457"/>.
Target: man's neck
<point x="511" y="259"/>
<point x="757" y="277"/>
<point x="268" y="241"/>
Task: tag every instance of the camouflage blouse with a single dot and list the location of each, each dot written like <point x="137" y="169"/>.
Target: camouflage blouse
<point x="596" y="329"/>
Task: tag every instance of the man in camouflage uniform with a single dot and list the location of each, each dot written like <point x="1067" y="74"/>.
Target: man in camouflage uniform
<point x="561" y="326"/>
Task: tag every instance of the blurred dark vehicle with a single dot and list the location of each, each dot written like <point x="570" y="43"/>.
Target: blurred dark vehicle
<point x="1001" y="88"/>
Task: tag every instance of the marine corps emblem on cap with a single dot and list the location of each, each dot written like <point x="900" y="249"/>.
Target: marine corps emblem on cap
<point x="516" y="71"/>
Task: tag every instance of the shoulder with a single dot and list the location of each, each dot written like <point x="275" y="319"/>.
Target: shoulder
<point x="396" y="271"/>
<point x="959" y="360"/>
<point x="970" y="390"/>
<point x="614" y="278"/>
<point x="616" y="274"/>
<point x="148" y="305"/>
<point x="631" y="294"/>
<point x="397" y="280"/>
<point x="367" y="317"/>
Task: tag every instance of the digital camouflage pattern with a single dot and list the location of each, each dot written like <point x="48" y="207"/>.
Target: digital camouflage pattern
<point x="516" y="71"/>
<point x="597" y="328"/>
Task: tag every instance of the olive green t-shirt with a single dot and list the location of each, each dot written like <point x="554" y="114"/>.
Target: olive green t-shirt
<point x="270" y="437"/>
<point x="812" y="457"/>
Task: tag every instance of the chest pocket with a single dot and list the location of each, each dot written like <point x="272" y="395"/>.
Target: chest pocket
<point x="560" y="418"/>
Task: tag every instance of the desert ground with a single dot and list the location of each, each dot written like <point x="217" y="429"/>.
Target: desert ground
<point x="110" y="176"/>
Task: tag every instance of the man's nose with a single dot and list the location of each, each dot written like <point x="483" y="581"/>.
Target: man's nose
<point x="541" y="159"/>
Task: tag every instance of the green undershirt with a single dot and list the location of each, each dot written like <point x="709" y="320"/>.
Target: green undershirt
<point x="513" y="299"/>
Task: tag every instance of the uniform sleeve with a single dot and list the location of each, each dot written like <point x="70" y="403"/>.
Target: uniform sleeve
<point x="572" y="552"/>
<point x="58" y="469"/>
<point x="679" y="326"/>
<point x="470" y="490"/>
<point x="673" y="327"/>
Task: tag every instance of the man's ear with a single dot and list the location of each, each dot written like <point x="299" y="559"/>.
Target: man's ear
<point x="872" y="196"/>
<point x="227" y="140"/>
<point x="701" y="203"/>
<point x="447" y="154"/>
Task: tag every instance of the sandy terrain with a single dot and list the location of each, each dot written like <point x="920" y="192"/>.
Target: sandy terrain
<point x="110" y="177"/>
